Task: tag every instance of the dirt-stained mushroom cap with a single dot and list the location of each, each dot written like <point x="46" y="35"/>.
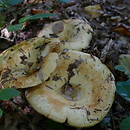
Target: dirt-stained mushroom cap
<point x="24" y="65"/>
<point x="74" y="34"/>
<point x="80" y="91"/>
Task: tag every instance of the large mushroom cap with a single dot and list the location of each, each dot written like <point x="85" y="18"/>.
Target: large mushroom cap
<point x="74" y="34"/>
<point x="80" y="91"/>
<point x="21" y="66"/>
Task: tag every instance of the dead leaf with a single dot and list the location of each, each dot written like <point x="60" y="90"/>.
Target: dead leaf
<point x="35" y="11"/>
<point x="5" y="33"/>
<point x="121" y="29"/>
<point x="94" y="10"/>
<point x="105" y="50"/>
<point x="124" y="61"/>
<point x="35" y="2"/>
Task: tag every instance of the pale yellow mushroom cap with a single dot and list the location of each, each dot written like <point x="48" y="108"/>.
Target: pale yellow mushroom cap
<point x="80" y="91"/>
<point x="22" y="64"/>
<point x="74" y="34"/>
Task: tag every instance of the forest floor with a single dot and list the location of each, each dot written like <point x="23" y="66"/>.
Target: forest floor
<point x="111" y="38"/>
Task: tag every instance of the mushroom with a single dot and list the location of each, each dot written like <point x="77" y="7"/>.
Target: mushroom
<point x="63" y="83"/>
<point x="80" y="91"/>
<point x="25" y="64"/>
<point x="73" y="34"/>
<point x="21" y="65"/>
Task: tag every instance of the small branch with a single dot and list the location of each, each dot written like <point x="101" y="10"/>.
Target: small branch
<point x="127" y="2"/>
<point x="25" y="7"/>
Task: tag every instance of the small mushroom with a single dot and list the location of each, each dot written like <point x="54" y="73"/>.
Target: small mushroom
<point x="24" y="65"/>
<point x="80" y="91"/>
<point x="73" y="34"/>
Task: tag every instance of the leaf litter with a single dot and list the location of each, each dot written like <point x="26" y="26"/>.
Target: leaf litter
<point x="111" y="23"/>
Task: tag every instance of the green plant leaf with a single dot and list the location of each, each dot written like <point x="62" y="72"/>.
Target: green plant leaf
<point x="10" y="2"/>
<point x="2" y="5"/>
<point x="1" y="8"/>
<point x="2" y="19"/>
<point x="120" y="68"/>
<point x="14" y="2"/>
<point x="106" y="120"/>
<point x="64" y="1"/>
<point x="1" y="113"/>
<point x="15" y="27"/>
<point x="36" y="16"/>
<point x="125" y="124"/>
<point x="8" y="93"/>
<point x="123" y="89"/>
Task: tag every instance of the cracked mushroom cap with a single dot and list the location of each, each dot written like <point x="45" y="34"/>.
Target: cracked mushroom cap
<point x="24" y="65"/>
<point x="73" y="34"/>
<point x="80" y="91"/>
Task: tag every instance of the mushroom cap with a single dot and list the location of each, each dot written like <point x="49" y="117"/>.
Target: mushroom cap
<point x="74" y="34"/>
<point x="80" y="91"/>
<point x="22" y="64"/>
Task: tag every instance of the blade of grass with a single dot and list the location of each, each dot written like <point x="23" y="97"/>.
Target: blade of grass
<point x="36" y="16"/>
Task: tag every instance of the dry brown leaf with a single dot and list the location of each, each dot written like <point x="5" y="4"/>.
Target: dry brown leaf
<point x="94" y="10"/>
<point x="38" y="11"/>
<point x="37" y="1"/>
<point x="121" y="29"/>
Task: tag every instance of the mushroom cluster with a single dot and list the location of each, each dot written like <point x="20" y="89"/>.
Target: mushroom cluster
<point x="63" y="83"/>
